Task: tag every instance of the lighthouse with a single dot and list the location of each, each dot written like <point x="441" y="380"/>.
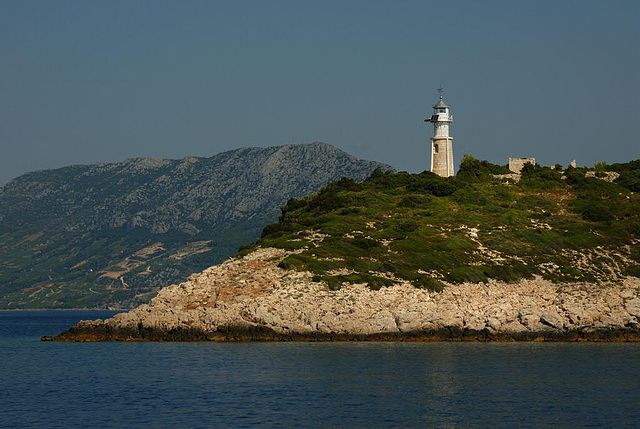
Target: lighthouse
<point x="441" y="142"/>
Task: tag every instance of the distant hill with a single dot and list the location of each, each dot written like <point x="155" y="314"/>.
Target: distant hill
<point x="109" y="235"/>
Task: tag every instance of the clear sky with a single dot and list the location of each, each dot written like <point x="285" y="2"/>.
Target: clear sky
<point x="98" y="81"/>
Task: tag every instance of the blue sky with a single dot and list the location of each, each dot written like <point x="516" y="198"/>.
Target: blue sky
<point x="100" y="81"/>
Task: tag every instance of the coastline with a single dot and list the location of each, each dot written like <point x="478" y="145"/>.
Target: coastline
<point x="252" y="298"/>
<point x="240" y="334"/>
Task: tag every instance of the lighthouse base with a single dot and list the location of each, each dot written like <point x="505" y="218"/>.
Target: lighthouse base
<point x="442" y="156"/>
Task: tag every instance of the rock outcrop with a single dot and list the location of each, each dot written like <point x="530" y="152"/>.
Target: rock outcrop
<point x="251" y="298"/>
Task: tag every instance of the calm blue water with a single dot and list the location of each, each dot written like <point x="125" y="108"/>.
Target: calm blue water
<point x="308" y="384"/>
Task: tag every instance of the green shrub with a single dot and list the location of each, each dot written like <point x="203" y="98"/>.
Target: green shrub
<point x="306" y="262"/>
<point x="471" y="196"/>
<point x="540" y="178"/>
<point x="503" y="193"/>
<point x="514" y="217"/>
<point x="474" y="170"/>
<point x="349" y="210"/>
<point x="413" y="201"/>
<point x="436" y="186"/>
<point x="536" y="203"/>
<point x="274" y="230"/>
<point x="377" y="174"/>
<point x="245" y="250"/>
<point x="575" y="177"/>
<point x="598" y="212"/>
<point x="633" y="270"/>
<point x="627" y="166"/>
<point x="364" y="243"/>
<point x="292" y="205"/>
<point x="325" y="202"/>
<point x="405" y="227"/>
<point x="388" y="180"/>
<point x="424" y="282"/>
<point x="333" y="282"/>
<point x="630" y="179"/>
<point x="600" y="167"/>
<point x="509" y="273"/>
<point x="466" y="274"/>
<point x="362" y="265"/>
<point x="442" y="188"/>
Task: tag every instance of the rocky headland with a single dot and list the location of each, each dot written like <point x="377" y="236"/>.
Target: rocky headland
<point x="399" y="256"/>
<point x="251" y="298"/>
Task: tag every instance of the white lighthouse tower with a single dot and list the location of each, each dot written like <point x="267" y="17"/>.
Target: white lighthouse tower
<point x="441" y="142"/>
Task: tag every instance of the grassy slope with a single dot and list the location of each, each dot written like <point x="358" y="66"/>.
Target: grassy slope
<point x="423" y="228"/>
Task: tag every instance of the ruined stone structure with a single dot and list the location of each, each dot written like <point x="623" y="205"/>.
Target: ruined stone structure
<point x="441" y="142"/>
<point x="516" y="164"/>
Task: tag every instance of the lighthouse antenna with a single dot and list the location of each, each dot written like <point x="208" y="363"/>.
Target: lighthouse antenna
<point x="441" y="91"/>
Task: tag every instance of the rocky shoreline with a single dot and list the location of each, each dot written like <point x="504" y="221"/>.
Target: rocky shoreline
<point x="241" y="333"/>
<point x="252" y="299"/>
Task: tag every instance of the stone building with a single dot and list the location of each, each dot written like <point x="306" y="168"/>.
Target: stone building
<point x="441" y="142"/>
<point x="516" y="164"/>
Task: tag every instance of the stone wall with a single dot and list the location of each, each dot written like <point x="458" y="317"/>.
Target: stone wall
<point x="516" y="164"/>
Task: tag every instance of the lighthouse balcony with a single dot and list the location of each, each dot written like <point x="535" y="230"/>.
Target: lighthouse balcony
<point x="440" y="118"/>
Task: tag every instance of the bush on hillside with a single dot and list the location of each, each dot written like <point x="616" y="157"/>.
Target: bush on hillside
<point x="466" y="274"/>
<point x="387" y="180"/>
<point x="630" y="179"/>
<point x="474" y="170"/>
<point x="436" y="186"/>
<point x="540" y="178"/>
<point x="598" y="211"/>
<point x="627" y="166"/>
<point x="413" y="201"/>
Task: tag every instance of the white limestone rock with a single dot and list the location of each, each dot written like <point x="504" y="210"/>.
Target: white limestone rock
<point x="254" y="292"/>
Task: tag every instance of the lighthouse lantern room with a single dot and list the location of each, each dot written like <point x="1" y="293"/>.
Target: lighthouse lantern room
<point x="441" y="142"/>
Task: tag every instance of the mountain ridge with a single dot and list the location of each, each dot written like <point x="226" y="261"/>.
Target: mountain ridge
<point x="144" y="222"/>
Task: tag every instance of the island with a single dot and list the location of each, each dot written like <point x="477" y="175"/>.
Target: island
<point x="545" y="254"/>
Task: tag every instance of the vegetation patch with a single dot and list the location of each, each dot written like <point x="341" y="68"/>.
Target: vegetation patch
<point x="470" y="228"/>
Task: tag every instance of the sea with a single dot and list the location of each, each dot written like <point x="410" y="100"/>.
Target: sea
<point x="306" y="384"/>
